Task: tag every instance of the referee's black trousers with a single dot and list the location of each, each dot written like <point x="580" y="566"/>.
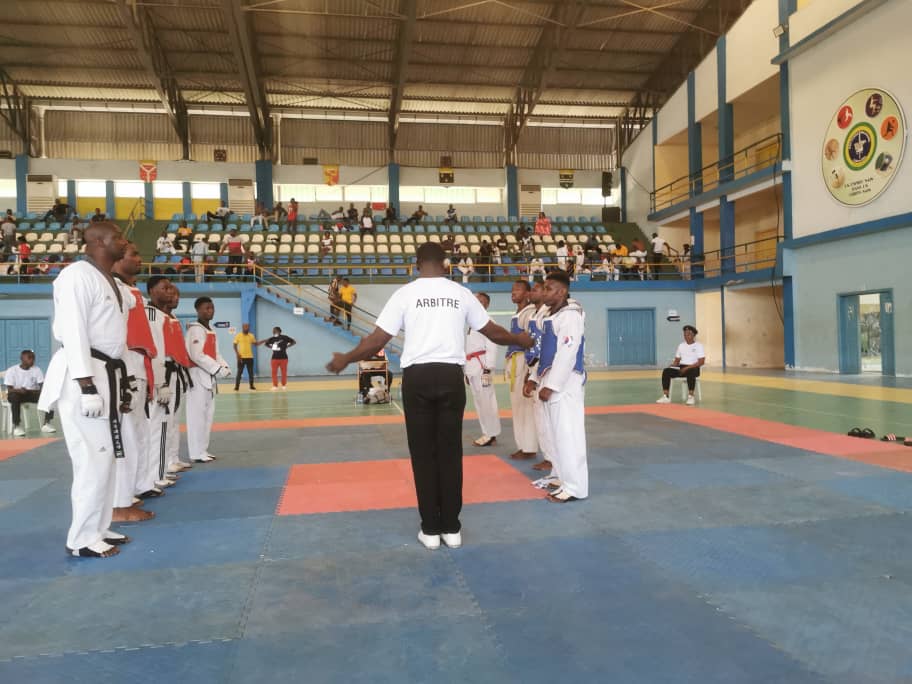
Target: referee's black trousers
<point x="434" y="398"/>
<point x="675" y="372"/>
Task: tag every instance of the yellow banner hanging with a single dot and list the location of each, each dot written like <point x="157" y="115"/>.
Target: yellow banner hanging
<point x="331" y="174"/>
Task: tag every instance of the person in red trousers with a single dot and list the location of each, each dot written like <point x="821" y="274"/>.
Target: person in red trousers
<point x="279" y="345"/>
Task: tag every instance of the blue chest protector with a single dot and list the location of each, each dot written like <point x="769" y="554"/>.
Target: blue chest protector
<point x="515" y="329"/>
<point x="549" y="350"/>
<point x="534" y="352"/>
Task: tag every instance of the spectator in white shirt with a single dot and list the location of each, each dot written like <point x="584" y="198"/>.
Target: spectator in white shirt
<point x="163" y="244"/>
<point x="562" y="254"/>
<point x="659" y="250"/>
<point x="689" y="358"/>
<point x="221" y="214"/>
<point x="8" y="229"/>
<point x="465" y="266"/>
<point x="451" y="216"/>
<point x="536" y="269"/>
<point x="23" y="383"/>
<point x="261" y="219"/>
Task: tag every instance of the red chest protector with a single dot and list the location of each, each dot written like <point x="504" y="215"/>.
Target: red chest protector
<point x="174" y="342"/>
<point x="139" y="336"/>
<point x="209" y="346"/>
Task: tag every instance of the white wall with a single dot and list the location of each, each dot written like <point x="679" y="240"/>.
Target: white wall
<point x="313" y="175"/>
<point x="672" y="117"/>
<point x="129" y="170"/>
<point x="754" y="332"/>
<point x="821" y="79"/>
<point x="637" y="158"/>
<point x="706" y="82"/>
<point x="815" y="14"/>
<point x="750" y="45"/>
<point x="708" y="317"/>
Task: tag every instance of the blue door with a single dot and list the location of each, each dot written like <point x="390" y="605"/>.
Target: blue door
<point x="631" y="337"/>
<point x="887" y="360"/>
<point x="17" y="334"/>
<point x="849" y="338"/>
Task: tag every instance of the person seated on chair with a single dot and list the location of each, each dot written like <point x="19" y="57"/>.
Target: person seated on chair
<point x="221" y="214"/>
<point x="375" y="384"/>
<point x="418" y="216"/>
<point x="183" y="238"/>
<point x="163" y="244"/>
<point x="451" y="215"/>
<point x="23" y="384"/>
<point x="689" y="357"/>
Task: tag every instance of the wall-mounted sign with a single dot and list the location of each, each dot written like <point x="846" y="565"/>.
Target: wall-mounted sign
<point x="566" y="178"/>
<point x="298" y="311"/>
<point x="148" y="171"/>
<point x="863" y="147"/>
<point x="221" y="324"/>
<point x="446" y="176"/>
<point x="331" y="174"/>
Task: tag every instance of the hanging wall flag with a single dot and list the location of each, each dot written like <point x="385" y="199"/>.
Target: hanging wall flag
<point x="331" y="174"/>
<point x="446" y="176"/>
<point x="566" y="178"/>
<point x="148" y="171"/>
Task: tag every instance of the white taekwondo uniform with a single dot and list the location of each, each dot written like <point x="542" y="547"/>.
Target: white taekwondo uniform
<point x="523" y="407"/>
<point x="202" y="348"/>
<point x="89" y="322"/>
<point x="560" y="368"/>
<point x="133" y="471"/>
<point x="481" y="355"/>
<point x="536" y="325"/>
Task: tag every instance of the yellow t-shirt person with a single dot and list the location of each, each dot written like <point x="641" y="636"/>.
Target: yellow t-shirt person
<point x="347" y="293"/>
<point x="244" y="342"/>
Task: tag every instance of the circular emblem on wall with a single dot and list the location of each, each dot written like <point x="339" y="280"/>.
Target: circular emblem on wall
<point x="863" y="147"/>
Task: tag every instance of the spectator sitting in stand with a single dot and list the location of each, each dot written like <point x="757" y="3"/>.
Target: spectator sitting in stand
<point x="390" y="215"/>
<point x="368" y="210"/>
<point x="184" y="236"/>
<point x="592" y="248"/>
<point x="327" y="242"/>
<point x="579" y="262"/>
<point x="338" y="215"/>
<point x="639" y="255"/>
<point x="537" y="269"/>
<point x="542" y="224"/>
<point x="367" y="225"/>
<point x="451" y="216"/>
<point x="259" y="219"/>
<point x="607" y="267"/>
<point x="278" y="212"/>
<point x="418" y="216"/>
<point x="163" y="244"/>
<point x="352" y="214"/>
<point x="465" y="265"/>
<point x="485" y="260"/>
<point x="562" y="254"/>
<point x="221" y="214"/>
<point x="61" y="212"/>
<point x="322" y="215"/>
<point x="448" y="245"/>
<point x="98" y="216"/>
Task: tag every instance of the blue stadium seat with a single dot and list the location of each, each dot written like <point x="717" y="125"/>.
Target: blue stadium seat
<point x="489" y="219"/>
<point x="601" y="230"/>
<point x="468" y="229"/>
<point x="245" y="228"/>
<point x="54" y="225"/>
<point x="177" y="217"/>
<point x="245" y="218"/>
<point x="577" y="229"/>
<point x="444" y="228"/>
<point x="588" y="229"/>
<point x="481" y="229"/>
<point x="419" y="228"/>
<point x="40" y="225"/>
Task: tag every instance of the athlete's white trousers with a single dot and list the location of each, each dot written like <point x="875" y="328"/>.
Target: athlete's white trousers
<point x="524" y="431"/>
<point x="565" y="421"/>
<point x="91" y="450"/>
<point x="485" y="405"/>
<point x="200" y="410"/>
<point x="134" y="429"/>
<point x="164" y="435"/>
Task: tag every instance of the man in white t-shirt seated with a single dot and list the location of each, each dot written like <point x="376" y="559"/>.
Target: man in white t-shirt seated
<point x="221" y="214"/>
<point x="656" y="253"/>
<point x="23" y="383"/>
<point x="689" y="358"/>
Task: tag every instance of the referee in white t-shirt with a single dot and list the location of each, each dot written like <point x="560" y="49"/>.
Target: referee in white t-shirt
<point x="689" y="358"/>
<point x="434" y="313"/>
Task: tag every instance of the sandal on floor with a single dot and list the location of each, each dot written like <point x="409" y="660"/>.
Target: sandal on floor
<point x="116" y="538"/>
<point x="868" y="433"/>
<point x="893" y="438"/>
<point x="854" y="432"/>
<point x="561" y="497"/>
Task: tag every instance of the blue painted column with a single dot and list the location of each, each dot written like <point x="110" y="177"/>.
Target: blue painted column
<point x="110" y="207"/>
<point x="248" y="314"/>
<point x="22" y="169"/>
<point x="512" y="191"/>
<point x="263" y="183"/>
<point x="188" y="198"/>
<point x="727" y="235"/>
<point x="71" y="194"/>
<point x="694" y="138"/>
<point x="788" y="317"/>
<point x="150" y="201"/>
<point x="623" y="194"/>
<point x="696" y="250"/>
<point x="655" y="143"/>
<point x="223" y="194"/>
<point x="786" y="9"/>
<point x="722" y="321"/>
<point x="392" y="176"/>
<point x="726" y="117"/>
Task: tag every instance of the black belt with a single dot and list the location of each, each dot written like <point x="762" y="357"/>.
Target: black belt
<point x="118" y="395"/>
<point x="172" y="368"/>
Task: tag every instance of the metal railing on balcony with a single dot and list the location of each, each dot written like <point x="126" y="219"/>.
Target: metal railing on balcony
<point x="741" y="258"/>
<point x="755" y="157"/>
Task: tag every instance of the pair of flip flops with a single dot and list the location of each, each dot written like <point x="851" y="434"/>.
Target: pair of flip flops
<point x="906" y="441"/>
<point x="863" y="433"/>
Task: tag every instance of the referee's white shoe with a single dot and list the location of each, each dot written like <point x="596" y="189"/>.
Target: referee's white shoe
<point x="453" y="540"/>
<point x="484" y="440"/>
<point x="663" y="399"/>
<point x="429" y="541"/>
